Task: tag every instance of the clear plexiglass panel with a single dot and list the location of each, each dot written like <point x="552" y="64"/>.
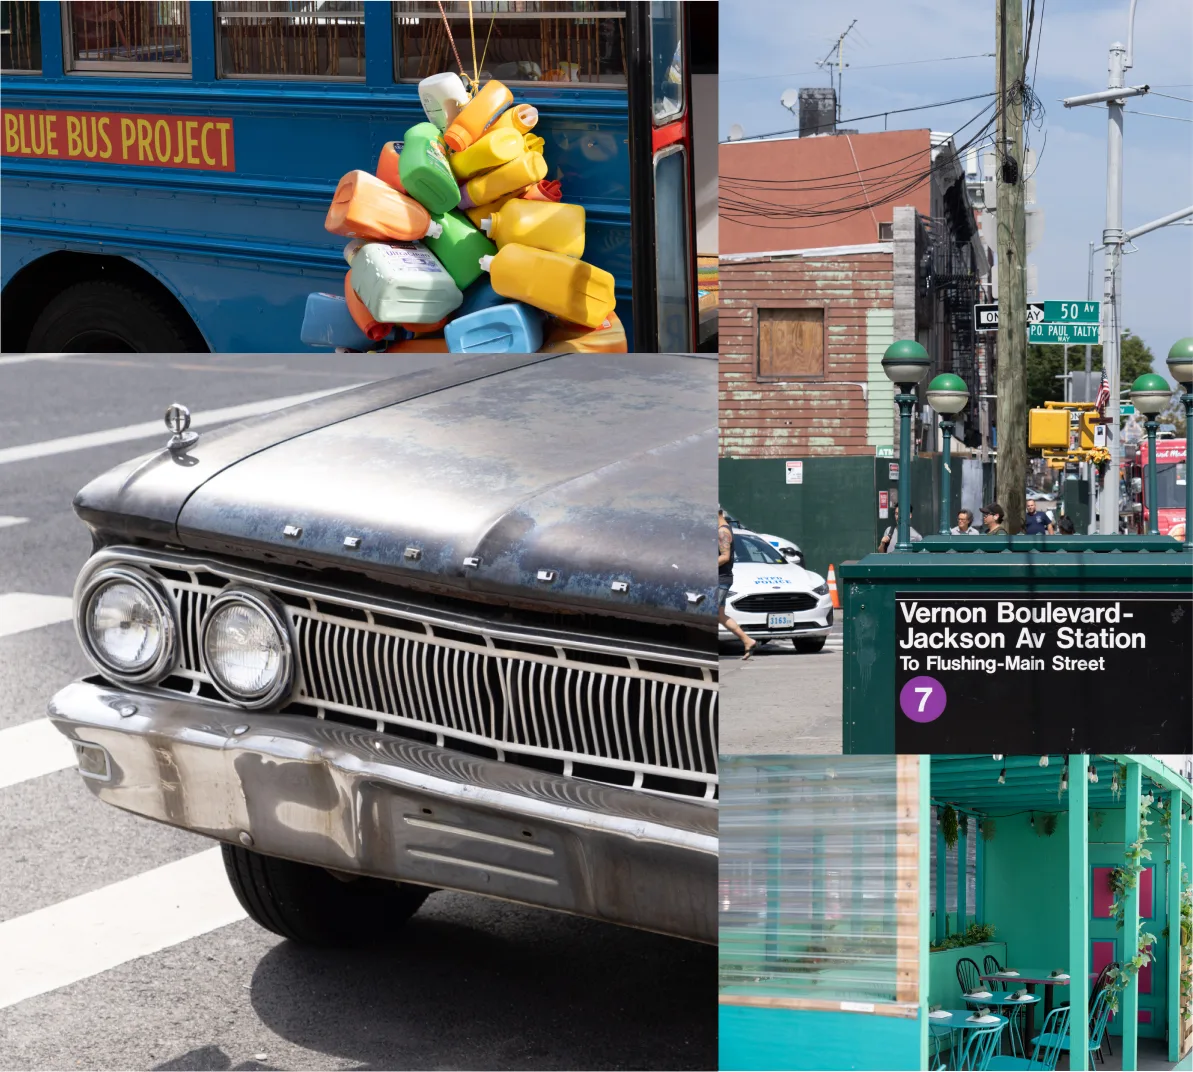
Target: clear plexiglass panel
<point x="516" y="42"/>
<point x="809" y="875"/>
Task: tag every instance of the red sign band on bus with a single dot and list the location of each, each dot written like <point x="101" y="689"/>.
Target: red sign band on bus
<point x="194" y="142"/>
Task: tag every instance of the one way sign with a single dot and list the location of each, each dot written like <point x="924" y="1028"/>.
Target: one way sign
<point x="985" y="317"/>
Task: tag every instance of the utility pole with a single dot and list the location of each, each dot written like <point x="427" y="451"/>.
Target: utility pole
<point x="1089" y="367"/>
<point x="1011" y="383"/>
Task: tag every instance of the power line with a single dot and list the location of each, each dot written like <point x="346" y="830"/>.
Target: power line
<point x="874" y="115"/>
<point x="865" y="67"/>
<point x="1187" y="100"/>
<point x="1156" y="115"/>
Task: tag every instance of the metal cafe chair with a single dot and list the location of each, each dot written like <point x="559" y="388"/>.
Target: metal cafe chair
<point x="977" y="1052"/>
<point x="1099" y="1017"/>
<point x="1047" y="1049"/>
<point x="967" y="975"/>
<point x="990" y="965"/>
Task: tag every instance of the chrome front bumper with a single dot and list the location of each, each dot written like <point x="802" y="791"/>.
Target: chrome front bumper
<point x="357" y="801"/>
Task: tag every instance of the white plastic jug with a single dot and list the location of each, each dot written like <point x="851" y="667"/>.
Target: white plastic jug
<point x="403" y="283"/>
<point x="442" y="96"/>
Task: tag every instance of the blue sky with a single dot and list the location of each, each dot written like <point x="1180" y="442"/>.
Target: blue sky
<point x="767" y="46"/>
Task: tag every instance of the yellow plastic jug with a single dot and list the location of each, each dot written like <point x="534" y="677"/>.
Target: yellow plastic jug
<point x="495" y="148"/>
<point x="520" y="172"/>
<point x="566" y="338"/>
<point x="521" y="117"/>
<point x="542" y="224"/>
<point x="365" y="207"/>
<point x="563" y="286"/>
<point x="480" y="212"/>
<point x="476" y="115"/>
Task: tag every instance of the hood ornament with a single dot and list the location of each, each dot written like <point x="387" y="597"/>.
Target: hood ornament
<point x="178" y="420"/>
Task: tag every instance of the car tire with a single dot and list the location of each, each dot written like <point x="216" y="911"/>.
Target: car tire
<point x="809" y="646"/>
<point x="312" y="906"/>
<point x="105" y="316"/>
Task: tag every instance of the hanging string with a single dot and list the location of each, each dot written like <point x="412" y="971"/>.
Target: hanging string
<point x="448" y="27"/>
<point x="476" y="75"/>
<point x="485" y="52"/>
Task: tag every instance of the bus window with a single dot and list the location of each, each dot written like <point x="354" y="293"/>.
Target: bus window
<point x="307" y="39"/>
<point x="672" y="256"/>
<point x="666" y="67"/>
<point x="522" y="44"/>
<point x="20" y="37"/>
<point x="130" y="37"/>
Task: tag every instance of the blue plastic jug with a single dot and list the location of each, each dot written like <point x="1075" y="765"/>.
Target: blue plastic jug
<point x="512" y="328"/>
<point x="327" y="323"/>
<point x="480" y="295"/>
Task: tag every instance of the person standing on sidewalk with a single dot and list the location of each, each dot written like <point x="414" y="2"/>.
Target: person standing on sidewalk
<point x="964" y="526"/>
<point x="725" y="581"/>
<point x="1036" y="523"/>
<point x="993" y="516"/>
<point x="891" y="535"/>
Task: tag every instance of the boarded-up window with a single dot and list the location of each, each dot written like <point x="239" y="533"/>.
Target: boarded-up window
<point x="790" y="343"/>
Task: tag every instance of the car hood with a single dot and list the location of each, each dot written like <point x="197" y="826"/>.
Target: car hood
<point x="571" y="481"/>
<point x="755" y="577"/>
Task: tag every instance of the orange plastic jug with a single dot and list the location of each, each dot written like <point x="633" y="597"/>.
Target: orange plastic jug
<point x="421" y="345"/>
<point x="373" y="328"/>
<point x="566" y="338"/>
<point x="519" y="117"/>
<point x="520" y="172"/>
<point x="492" y="149"/>
<point x="387" y="165"/>
<point x="557" y="284"/>
<point x="542" y="224"/>
<point x="547" y="190"/>
<point x="365" y="207"/>
<point x="426" y="329"/>
<point x="476" y="115"/>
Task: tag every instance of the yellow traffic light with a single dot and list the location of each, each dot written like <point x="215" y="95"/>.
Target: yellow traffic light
<point x="1048" y="429"/>
<point x="1087" y="429"/>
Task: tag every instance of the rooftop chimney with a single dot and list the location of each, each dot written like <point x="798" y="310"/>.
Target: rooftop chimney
<point x="817" y="111"/>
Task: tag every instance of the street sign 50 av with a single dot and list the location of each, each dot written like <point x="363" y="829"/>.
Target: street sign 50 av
<point x="1072" y="312"/>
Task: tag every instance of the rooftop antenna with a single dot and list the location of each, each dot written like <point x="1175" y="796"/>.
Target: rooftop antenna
<point x="837" y="51"/>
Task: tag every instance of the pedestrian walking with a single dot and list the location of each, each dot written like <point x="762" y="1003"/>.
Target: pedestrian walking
<point x="891" y="536"/>
<point x="964" y="526"/>
<point x="1037" y="523"/>
<point x="1065" y="526"/>
<point x="725" y="581"/>
<point x="993" y="517"/>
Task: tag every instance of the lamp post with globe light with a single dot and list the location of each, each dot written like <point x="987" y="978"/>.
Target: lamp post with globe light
<point x="948" y="395"/>
<point x="1150" y="394"/>
<point x="1180" y="367"/>
<point x="905" y="363"/>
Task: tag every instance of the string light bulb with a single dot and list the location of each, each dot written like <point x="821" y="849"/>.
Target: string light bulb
<point x="1064" y="777"/>
<point x="1093" y="774"/>
<point x="1002" y="776"/>
<point x="996" y="758"/>
<point x="1043" y="761"/>
<point x="1033" y="820"/>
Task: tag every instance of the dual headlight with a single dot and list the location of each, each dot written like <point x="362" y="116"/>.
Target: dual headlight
<point x="128" y="627"/>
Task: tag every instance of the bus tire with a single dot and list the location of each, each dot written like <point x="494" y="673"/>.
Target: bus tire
<point x="104" y="316"/>
<point x="310" y="905"/>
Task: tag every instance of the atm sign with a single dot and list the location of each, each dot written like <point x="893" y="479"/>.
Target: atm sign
<point x="195" y="142"/>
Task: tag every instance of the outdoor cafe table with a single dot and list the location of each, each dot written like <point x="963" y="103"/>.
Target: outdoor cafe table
<point x="959" y="1020"/>
<point x="1029" y="978"/>
<point x="1000" y="998"/>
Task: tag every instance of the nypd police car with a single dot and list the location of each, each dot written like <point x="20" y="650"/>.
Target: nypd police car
<point x="771" y="598"/>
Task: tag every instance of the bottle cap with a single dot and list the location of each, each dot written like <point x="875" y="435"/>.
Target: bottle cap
<point x="486" y="261"/>
<point x="529" y="115"/>
<point x="352" y="249"/>
<point x="486" y="224"/>
<point x="434" y="230"/>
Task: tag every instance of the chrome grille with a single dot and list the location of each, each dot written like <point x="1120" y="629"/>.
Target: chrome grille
<point x="623" y="714"/>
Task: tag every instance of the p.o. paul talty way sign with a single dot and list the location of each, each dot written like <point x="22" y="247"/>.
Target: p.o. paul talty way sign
<point x="1046" y="672"/>
<point x="1050" y="323"/>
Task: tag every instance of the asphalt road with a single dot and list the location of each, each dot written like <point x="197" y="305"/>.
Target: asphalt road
<point x="468" y="983"/>
<point x="779" y="701"/>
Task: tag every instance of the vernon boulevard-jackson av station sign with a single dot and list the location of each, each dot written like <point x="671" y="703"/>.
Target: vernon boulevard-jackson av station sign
<point x="1042" y="672"/>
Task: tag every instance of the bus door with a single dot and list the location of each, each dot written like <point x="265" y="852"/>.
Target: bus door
<point x="662" y="55"/>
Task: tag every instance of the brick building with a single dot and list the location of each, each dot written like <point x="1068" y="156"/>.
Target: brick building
<point x="832" y="247"/>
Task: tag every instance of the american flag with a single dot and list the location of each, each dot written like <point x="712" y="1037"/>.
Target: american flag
<point x="1103" y="399"/>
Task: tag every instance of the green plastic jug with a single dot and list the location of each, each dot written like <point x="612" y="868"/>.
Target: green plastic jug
<point x="460" y="248"/>
<point x="425" y="172"/>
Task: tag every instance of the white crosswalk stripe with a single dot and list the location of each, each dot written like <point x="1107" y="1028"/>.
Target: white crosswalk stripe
<point x="21" y="611"/>
<point x="94" y="932"/>
<point x="7" y="521"/>
<point x="31" y="750"/>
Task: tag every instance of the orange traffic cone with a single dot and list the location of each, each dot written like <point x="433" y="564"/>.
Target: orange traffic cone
<point x="832" y="587"/>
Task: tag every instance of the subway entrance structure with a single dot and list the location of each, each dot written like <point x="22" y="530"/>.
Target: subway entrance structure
<point x="1029" y="643"/>
<point x="851" y="886"/>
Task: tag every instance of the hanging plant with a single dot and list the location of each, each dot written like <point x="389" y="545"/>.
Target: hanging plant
<point x="948" y="826"/>
<point x="963" y="824"/>
<point x="987" y="829"/>
<point x="1049" y="825"/>
<point x="1118" y="781"/>
<point x="1123" y="879"/>
<point x="1166" y="818"/>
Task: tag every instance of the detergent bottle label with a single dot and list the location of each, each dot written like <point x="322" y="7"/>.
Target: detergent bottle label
<point x="410" y="258"/>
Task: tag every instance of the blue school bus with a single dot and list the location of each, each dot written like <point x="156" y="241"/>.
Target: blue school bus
<point x="167" y="165"/>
